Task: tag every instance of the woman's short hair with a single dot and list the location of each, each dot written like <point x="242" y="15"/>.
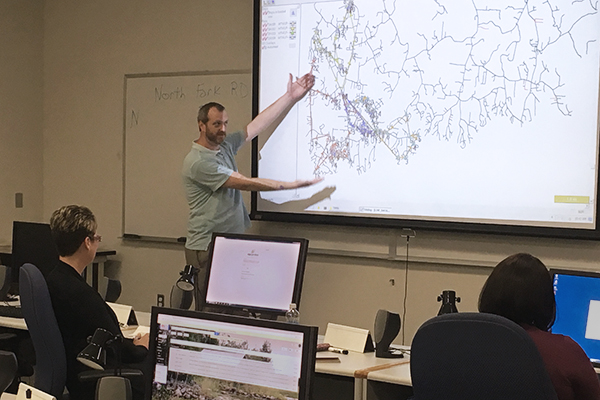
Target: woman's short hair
<point x="520" y="289"/>
<point x="70" y="226"/>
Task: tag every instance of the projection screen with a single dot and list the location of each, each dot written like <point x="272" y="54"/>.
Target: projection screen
<point x="471" y="115"/>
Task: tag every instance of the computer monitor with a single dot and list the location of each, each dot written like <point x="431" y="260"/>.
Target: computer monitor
<point x="207" y="354"/>
<point x="31" y="243"/>
<point x="257" y="275"/>
<point x="577" y="296"/>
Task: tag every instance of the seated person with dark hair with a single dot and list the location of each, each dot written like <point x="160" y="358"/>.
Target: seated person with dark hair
<point x="79" y="309"/>
<point x="520" y="289"/>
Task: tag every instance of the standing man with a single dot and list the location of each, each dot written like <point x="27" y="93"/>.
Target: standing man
<point x="212" y="182"/>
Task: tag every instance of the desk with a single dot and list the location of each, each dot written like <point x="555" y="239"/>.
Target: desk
<point x="97" y="266"/>
<point x="13" y="323"/>
<point x="389" y="383"/>
<point x="19" y="323"/>
<point x="362" y="376"/>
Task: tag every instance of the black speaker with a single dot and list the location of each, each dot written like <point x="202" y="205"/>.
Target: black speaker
<point x="387" y="326"/>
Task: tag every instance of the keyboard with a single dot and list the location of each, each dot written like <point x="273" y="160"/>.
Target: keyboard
<point x="11" y="311"/>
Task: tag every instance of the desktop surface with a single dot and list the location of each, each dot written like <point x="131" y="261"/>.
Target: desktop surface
<point x="364" y="365"/>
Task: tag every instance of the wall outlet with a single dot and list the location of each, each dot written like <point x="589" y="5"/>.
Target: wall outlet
<point x="160" y="300"/>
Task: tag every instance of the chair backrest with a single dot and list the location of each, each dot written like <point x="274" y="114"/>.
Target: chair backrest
<point x="110" y="289"/>
<point x="8" y="369"/>
<point x="51" y="363"/>
<point x="477" y="356"/>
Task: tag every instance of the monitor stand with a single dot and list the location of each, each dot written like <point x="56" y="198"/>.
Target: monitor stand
<point x="241" y="312"/>
<point x="266" y="316"/>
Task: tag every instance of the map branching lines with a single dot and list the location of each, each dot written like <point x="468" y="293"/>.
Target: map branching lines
<point x="390" y="73"/>
<point x="441" y="110"/>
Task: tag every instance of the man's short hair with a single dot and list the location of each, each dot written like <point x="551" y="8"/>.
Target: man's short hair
<point x="70" y="226"/>
<point x="203" y="111"/>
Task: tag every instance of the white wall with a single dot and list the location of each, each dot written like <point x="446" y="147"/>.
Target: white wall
<point x="21" y="121"/>
<point x="88" y="48"/>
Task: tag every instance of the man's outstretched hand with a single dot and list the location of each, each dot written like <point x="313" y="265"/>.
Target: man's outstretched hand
<point x="298" y="88"/>
<point x="304" y="183"/>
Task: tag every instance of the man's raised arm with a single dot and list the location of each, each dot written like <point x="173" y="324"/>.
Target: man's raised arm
<point x="272" y="116"/>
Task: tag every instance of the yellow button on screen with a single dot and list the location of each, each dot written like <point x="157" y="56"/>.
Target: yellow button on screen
<point x="572" y="199"/>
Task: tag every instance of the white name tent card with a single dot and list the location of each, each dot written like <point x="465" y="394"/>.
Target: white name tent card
<point x="349" y="338"/>
<point x="26" y="392"/>
<point x="125" y="314"/>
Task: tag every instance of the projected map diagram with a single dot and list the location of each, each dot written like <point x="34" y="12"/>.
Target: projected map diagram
<point x="448" y="79"/>
<point x="458" y="109"/>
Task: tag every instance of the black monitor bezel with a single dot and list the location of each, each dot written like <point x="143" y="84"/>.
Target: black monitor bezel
<point x="32" y="243"/>
<point x="309" y="345"/>
<point x="588" y="274"/>
<point x="267" y="313"/>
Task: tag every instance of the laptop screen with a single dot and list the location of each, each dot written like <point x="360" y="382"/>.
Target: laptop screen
<point x="578" y="309"/>
<point x="212" y="355"/>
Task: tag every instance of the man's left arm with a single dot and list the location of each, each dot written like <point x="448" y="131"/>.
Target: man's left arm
<point x="272" y="116"/>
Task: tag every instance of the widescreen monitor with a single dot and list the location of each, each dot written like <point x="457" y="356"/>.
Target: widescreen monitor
<point x="453" y="116"/>
<point x="209" y="355"/>
<point x="577" y="296"/>
<point x="255" y="274"/>
<point x="31" y="243"/>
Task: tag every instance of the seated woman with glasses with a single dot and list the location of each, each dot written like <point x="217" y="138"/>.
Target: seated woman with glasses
<point x="79" y="309"/>
<point x="520" y="289"/>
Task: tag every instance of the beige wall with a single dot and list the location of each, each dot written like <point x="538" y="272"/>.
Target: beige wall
<point x="349" y="269"/>
<point x="88" y="48"/>
<point x="21" y="122"/>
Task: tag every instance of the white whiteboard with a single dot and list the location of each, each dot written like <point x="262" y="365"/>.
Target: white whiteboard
<point x="159" y="125"/>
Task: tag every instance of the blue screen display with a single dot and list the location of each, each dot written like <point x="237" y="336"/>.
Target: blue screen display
<point x="575" y="295"/>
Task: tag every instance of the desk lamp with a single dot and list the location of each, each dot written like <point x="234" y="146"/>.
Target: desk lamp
<point x="449" y="300"/>
<point x="94" y="354"/>
<point x="114" y="387"/>
<point x="183" y="292"/>
<point x="187" y="278"/>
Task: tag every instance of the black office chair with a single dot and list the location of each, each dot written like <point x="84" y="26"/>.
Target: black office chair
<point x="477" y="356"/>
<point x="8" y="369"/>
<point x="51" y="362"/>
<point x="110" y="289"/>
